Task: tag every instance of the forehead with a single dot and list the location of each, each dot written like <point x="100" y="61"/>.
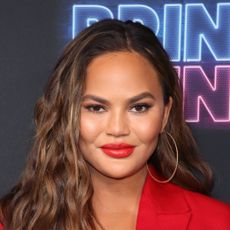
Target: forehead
<point x="122" y="72"/>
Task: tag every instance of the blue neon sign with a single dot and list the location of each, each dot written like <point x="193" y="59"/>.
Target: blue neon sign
<point x="190" y="34"/>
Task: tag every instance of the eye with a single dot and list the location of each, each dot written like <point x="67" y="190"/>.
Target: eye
<point x="140" y="108"/>
<point x="95" y="108"/>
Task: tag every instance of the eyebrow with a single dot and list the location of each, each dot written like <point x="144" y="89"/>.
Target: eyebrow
<point x="129" y="100"/>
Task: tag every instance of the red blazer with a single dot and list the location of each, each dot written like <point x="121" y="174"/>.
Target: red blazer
<point x="170" y="207"/>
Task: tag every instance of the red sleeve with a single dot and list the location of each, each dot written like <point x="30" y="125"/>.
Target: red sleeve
<point x="1" y="227"/>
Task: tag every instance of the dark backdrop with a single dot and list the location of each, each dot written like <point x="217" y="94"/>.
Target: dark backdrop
<point x="32" y="35"/>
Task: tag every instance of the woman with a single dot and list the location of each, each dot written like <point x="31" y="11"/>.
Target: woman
<point x="112" y="150"/>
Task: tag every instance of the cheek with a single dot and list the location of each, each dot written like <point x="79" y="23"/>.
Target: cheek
<point x="88" y="128"/>
<point x="148" y="130"/>
<point x="87" y="134"/>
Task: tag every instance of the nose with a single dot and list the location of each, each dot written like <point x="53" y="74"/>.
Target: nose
<point x="117" y="124"/>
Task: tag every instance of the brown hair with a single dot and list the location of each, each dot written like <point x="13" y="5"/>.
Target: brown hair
<point x="55" y="190"/>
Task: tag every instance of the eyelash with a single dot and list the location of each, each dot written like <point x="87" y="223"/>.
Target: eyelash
<point x="93" y="106"/>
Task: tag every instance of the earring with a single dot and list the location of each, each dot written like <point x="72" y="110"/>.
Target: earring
<point x="175" y="169"/>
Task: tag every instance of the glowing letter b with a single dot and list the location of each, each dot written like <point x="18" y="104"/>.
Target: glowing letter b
<point x="139" y="13"/>
<point x="85" y="15"/>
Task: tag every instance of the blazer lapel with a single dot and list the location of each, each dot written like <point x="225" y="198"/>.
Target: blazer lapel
<point x="173" y="221"/>
<point x="162" y="207"/>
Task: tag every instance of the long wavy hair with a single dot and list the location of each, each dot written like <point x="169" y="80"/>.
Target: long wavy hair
<point x="55" y="190"/>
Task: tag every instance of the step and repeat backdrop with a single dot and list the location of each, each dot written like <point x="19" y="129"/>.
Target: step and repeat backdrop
<point x="196" y="34"/>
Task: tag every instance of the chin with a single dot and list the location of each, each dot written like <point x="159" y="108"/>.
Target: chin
<point x="118" y="172"/>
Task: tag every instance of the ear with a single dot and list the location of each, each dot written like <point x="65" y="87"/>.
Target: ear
<point x="167" y="109"/>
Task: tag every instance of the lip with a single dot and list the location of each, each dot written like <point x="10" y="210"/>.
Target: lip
<point x="117" y="146"/>
<point x="118" y="150"/>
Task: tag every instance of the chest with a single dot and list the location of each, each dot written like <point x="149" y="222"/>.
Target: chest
<point x="119" y="221"/>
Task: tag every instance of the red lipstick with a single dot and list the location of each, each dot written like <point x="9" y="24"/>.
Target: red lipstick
<point x="118" y="150"/>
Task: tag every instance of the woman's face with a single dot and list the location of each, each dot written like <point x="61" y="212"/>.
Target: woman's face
<point x="122" y="103"/>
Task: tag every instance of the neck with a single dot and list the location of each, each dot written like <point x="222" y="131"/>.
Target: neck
<point x="115" y="195"/>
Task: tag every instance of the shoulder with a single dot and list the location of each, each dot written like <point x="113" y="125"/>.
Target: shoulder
<point x="201" y="203"/>
<point x="181" y="198"/>
<point x="206" y="210"/>
<point x="184" y="207"/>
